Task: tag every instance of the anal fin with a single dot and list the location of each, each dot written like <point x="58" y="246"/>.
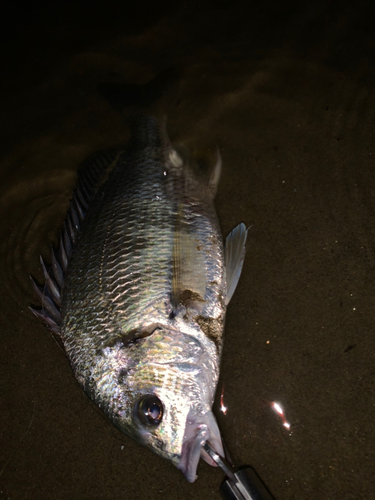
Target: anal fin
<point x="215" y="174"/>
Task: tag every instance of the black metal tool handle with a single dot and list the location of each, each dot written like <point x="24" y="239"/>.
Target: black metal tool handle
<point x="248" y="486"/>
<point x="245" y="484"/>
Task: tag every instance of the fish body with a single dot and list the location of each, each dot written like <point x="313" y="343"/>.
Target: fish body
<point x="141" y="294"/>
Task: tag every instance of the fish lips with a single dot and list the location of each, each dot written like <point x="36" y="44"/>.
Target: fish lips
<point x="199" y="429"/>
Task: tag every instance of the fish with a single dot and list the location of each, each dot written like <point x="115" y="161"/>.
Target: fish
<point x="137" y="292"/>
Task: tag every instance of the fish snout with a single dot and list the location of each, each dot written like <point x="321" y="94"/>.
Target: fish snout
<point x="199" y="429"/>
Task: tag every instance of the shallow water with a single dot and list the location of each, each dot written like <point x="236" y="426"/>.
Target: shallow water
<point x="288" y="94"/>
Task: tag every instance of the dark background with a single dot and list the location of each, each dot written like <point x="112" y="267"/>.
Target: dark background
<point x="287" y="91"/>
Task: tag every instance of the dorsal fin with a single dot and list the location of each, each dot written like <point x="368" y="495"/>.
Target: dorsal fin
<point x="91" y="175"/>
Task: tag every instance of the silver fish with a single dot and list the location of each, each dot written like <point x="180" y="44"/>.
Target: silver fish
<point x="138" y="290"/>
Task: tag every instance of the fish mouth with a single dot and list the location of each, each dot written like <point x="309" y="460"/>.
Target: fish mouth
<point x="199" y="429"/>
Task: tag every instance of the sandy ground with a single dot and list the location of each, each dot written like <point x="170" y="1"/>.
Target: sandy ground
<point x="287" y="91"/>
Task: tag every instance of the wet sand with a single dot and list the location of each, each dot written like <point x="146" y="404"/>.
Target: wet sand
<point x="287" y="92"/>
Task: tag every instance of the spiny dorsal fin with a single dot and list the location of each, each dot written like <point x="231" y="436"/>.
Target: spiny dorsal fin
<point x="91" y="175"/>
<point x="234" y="257"/>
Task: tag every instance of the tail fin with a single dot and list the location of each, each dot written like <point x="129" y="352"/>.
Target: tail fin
<point x="154" y="97"/>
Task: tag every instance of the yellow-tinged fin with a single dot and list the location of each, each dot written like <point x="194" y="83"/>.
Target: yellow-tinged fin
<point x="215" y="174"/>
<point x="234" y="257"/>
<point x="188" y="267"/>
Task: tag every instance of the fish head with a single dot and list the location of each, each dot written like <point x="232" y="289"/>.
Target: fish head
<point x="167" y="392"/>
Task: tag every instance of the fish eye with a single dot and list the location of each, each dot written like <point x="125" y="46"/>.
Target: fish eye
<point x="149" y="410"/>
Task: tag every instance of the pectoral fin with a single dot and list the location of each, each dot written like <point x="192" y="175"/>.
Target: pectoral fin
<point x="189" y="271"/>
<point x="234" y="257"/>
